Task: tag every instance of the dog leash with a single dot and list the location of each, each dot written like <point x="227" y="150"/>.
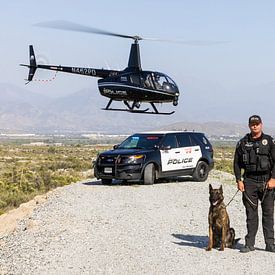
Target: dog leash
<point x="265" y="191"/>
<point x="251" y="203"/>
<point x="232" y="198"/>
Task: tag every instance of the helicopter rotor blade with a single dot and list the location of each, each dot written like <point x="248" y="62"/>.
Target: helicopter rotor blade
<point x="186" y="42"/>
<point x="70" y="26"/>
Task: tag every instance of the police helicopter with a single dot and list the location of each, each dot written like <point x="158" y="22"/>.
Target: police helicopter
<point x="133" y="86"/>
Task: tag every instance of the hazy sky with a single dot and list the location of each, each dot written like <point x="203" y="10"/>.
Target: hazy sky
<point x="245" y="62"/>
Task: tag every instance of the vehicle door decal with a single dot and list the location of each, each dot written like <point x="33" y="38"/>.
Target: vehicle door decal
<point x="180" y="158"/>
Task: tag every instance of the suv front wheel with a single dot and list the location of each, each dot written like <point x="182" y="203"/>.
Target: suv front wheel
<point x="201" y="171"/>
<point x="149" y="174"/>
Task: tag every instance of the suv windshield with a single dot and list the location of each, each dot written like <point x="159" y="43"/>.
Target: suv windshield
<point x="141" y="142"/>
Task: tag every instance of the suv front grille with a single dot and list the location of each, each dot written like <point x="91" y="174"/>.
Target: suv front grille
<point x="107" y="160"/>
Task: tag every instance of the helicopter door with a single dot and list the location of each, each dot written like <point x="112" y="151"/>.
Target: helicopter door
<point x="135" y="79"/>
<point x="148" y="81"/>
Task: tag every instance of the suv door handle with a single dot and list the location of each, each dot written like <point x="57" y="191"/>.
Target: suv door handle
<point x="177" y="152"/>
<point x="197" y="149"/>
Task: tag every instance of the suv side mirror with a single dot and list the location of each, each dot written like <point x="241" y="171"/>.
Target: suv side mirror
<point x="115" y="146"/>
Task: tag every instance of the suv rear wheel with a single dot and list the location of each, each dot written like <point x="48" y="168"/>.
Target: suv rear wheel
<point x="201" y="171"/>
<point x="149" y="174"/>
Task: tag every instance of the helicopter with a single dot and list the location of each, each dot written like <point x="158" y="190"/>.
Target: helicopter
<point x="132" y="86"/>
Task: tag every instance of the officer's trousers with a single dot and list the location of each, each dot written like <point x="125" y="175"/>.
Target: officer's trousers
<point x="255" y="193"/>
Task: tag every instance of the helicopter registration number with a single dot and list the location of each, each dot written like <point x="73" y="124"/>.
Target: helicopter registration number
<point x="85" y="71"/>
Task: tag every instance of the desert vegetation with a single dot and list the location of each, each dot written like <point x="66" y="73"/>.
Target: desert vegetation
<point x="27" y="170"/>
<point x="223" y="156"/>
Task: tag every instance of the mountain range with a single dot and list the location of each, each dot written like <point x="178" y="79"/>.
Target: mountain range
<point x="23" y="110"/>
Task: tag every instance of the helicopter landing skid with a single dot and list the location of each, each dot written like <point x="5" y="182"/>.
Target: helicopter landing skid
<point x="126" y="110"/>
<point x="131" y="109"/>
<point x="145" y="111"/>
<point x="152" y="113"/>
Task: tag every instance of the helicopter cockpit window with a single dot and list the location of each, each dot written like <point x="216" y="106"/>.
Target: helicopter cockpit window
<point x="159" y="81"/>
<point x="168" y="84"/>
<point x="123" y="78"/>
<point x="148" y="83"/>
<point x="135" y="79"/>
<point x="171" y="80"/>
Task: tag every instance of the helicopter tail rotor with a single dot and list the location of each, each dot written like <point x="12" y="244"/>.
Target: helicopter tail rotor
<point x="32" y="66"/>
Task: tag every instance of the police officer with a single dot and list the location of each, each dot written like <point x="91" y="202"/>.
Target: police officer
<point x="254" y="168"/>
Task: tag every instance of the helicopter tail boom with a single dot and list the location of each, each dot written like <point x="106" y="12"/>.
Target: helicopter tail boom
<point x="101" y="73"/>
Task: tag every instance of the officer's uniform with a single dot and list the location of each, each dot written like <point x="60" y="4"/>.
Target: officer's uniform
<point x="256" y="159"/>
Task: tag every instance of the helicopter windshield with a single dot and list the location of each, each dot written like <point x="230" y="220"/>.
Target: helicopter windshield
<point x="170" y="80"/>
<point x="159" y="81"/>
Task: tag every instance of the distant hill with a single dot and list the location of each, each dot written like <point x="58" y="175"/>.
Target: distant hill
<point x="214" y="128"/>
<point x="80" y="111"/>
<point x="22" y="110"/>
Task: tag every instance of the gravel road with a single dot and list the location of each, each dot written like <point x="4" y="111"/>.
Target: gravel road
<point x="87" y="228"/>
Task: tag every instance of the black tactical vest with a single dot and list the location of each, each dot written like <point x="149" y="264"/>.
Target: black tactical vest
<point x="256" y="155"/>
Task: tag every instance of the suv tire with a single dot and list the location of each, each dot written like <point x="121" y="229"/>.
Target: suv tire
<point x="201" y="171"/>
<point x="149" y="174"/>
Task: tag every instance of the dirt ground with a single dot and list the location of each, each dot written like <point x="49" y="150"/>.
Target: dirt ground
<point x="9" y="220"/>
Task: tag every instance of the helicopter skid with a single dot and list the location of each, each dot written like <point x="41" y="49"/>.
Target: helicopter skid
<point x="152" y="113"/>
<point x="145" y="111"/>
<point x="130" y="109"/>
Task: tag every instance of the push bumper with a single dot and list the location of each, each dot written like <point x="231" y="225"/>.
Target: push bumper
<point x="125" y="172"/>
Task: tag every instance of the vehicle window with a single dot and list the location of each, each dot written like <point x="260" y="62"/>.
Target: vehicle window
<point x="141" y="142"/>
<point x="184" y="140"/>
<point x="170" y="140"/>
<point x="158" y="81"/>
<point x="148" y="82"/>
<point x="123" y="78"/>
<point x="162" y="81"/>
<point x="135" y="79"/>
<point x="200" y="138"/>
<point x="171" y="80"/>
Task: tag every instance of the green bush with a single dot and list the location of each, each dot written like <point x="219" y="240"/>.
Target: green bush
<point x="30" y="170"/>
<point x="223" y="157"/>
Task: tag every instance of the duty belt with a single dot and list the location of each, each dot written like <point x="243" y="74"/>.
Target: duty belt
<point x="260" y="173"/>
<point x="258" y="177"/>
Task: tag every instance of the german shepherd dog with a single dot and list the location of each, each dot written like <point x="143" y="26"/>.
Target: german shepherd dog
<point x="220" y="233"/>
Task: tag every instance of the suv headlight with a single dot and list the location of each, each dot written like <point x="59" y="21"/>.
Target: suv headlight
<point x="133" y="159"/>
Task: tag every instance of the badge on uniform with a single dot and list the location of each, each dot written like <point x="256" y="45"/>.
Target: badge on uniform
<point x="264" y="142"/>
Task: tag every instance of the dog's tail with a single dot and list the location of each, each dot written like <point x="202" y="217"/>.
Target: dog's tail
<point x="232" y="233"/>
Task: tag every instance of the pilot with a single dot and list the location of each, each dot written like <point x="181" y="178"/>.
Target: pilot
<point x="148" y="82"/>
<point x="156" y="80"/>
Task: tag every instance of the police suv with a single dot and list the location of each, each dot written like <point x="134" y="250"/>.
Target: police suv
<point x="152" y="155"/>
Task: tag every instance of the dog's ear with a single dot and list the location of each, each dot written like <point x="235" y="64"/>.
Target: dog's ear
<point x="221" y="189"/>
<point x="210" y="187"/>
